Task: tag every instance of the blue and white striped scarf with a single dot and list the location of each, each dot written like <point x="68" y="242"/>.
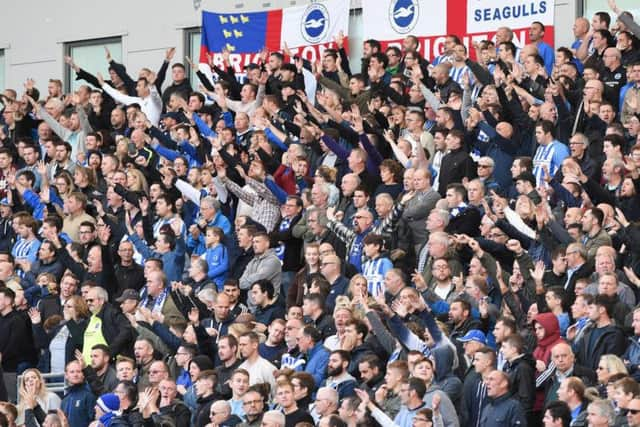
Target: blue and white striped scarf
<point x="284" y="226"/>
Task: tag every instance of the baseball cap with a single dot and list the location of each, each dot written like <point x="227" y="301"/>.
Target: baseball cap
<point x="128" y="294"/>
<point x="474" y="335"/>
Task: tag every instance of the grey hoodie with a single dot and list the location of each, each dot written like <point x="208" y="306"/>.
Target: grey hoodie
<point x="447" y="410"/>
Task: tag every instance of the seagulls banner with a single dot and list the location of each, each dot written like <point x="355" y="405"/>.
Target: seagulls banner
<point x="305" y="30"/>
<point x="390" y="21"/>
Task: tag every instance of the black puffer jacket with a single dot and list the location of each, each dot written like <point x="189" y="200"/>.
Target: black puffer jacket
<point x="522" y="373"/>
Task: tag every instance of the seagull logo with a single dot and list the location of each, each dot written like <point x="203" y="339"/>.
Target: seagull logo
<point x="315" y="23"/>
<point x="403" y="12"/>
<point x="403" y="15"/>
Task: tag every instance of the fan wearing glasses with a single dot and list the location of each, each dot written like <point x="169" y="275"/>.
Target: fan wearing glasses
<point x="633" y="413"/>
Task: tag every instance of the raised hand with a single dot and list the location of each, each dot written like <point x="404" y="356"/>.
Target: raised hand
<point x="381" y="394"/>
<point x="331" y="213"/>
<point x="466" y="80"/>
<point x="474" y="245"/>
<point x="407" y="196"/>
<point x="435" y="403"/>
<point x="41" y="167"/>
<point x="226" y="55"/>
<point x="263" y="78"/>
<point x="107" y="54"/>
<point x="399" y="308"/>
<point x="621" y="218"/>
<point x="363" y="395"/>
<point x="419" y="281"/>
<point x="34" y="315"/>
<point x="419" y="304"/>
<point x="80" y="358"/>
<point x="193" y="66"/>
<point x="168" y="56"/>
<point x="100" y="79"/>
<point x="69" y="61"/>
<point x="194" y="316"/>
<point x="104" y="234"/>
<point x="514" y="246"/>
<point x="356" y="117"/>
<point x="538" y="272"/>
<point x="157" y="316"/>
<point x="29" y="84"/>
<point x="614" y="7"/>
<point x="285" y="49"/>
<point x="458" y="282"/>
<point x="339" y="39"/>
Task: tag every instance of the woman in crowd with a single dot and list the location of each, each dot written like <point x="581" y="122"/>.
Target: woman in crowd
<point x="35" y="400"/>
<point x="60" y="336"/>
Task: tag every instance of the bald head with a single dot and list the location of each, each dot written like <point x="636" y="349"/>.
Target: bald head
<point x="613" y="53"/>
<point x="273" y="419"/>
<point x="563" y="357"/>
<point x="497" y="383"/>
<point x="580" y="27"/>
<point x="221" y="406"/>
<point x="222" y="298"/>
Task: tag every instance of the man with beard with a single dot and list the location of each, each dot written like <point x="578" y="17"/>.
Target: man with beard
<point x="253" y="404"/>
<point x="231" y="288"/>
<point x="99" y="374"/>
<point x="338" y="378"/>
<point x="143" y="350"/>
<point x="371" y="373"/>
<point x="228" y="355"/>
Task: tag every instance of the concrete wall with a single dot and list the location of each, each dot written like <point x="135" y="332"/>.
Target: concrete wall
<point x="34" y="32"/>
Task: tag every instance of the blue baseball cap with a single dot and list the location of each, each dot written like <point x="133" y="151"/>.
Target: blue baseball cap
<point x="474" y="335"/>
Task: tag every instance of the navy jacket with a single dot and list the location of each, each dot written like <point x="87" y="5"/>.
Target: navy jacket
<point x="78" y="405"/>
<point x="339" y="287"/>
<point x="503" y="411"/>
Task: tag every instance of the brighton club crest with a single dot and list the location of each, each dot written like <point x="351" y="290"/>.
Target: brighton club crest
<point x="403" y="15"/>
<point x="315" y="23"/>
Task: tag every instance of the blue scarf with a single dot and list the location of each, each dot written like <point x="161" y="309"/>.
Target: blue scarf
<point x="107" y="418"/>
<point x="458" y="210"/>
<point x="158" y="303"/>
<point x="284" y="226"/>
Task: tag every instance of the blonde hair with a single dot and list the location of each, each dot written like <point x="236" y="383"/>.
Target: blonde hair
<point x="352" y="284"/>
<point x="142" y="181"/>
<point x="614" y="364"/>
<point x="40" y="394"/>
